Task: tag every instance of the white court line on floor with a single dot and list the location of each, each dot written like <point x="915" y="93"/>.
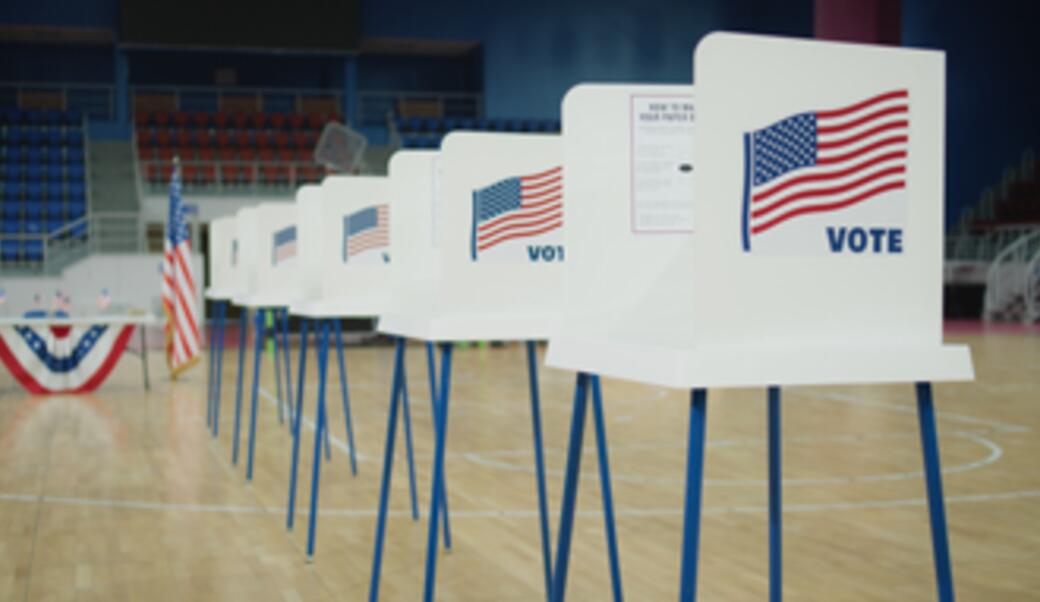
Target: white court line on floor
<point x="622" y="512"/>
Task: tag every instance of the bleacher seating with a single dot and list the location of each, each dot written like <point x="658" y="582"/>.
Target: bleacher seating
<point x="426" y="132"/>
<point x="230" y="149"/>
<point x="42" y="179"/>
<point x="1013" y="202"/>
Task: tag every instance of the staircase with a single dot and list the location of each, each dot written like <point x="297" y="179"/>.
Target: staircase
<point x="114" y="193"/>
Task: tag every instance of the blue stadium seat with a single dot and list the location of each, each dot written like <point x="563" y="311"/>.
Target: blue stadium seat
<point x="11" y="226"/>
<point x="74" y="172"/>
<point x="415" y="124"/>
<point x="53" y="137"/>
<point x="467" y="124"/>
<point x="54" y="224"/>
<point x="33" y="154"/>
<point x="14" y="136"/>
<point x="34" y="172"/>
<point x="74" y="155"/>
<point x="75" y="191"/>
<point x="430" y="124"/>
<point x="55" y="156"/>
<point x="74" y="137"/>
<point x="74" y="117"/>
<point x="10" y="250"/>
<point x="33" y="191"/>
<point x="33" y="210"/>
<point x="449" y="123"/>
<point x="32" y="137"/>
<point x="11" y="210"/>
<point x="33" y="250"/>
<point x="55" y="175"/>
<point x="54" y="208"/>
<point x="77" y="209"/>
<point x="33" y="117"/>
<point x="12" y="190"/>
<point x="9" y="116"/>
<point x="79" y="230"/>
<point x="32" y="226"/>
<point x="53" y="117"/>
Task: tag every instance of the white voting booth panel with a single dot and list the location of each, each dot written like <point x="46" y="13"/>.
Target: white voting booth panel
<point x="817" y="250"/>
<point x="243" y="269"/>
<point x="308" y="232"/>
<point x="223" y="253"/>
<point x="354" y="261"/>
<point x="499" y="236"/>
<point x="271" y="278"/>
<point x="413" y="176"/>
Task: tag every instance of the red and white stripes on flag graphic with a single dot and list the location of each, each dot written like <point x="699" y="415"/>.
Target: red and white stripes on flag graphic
<point x="540" y="210"/>
<point x="372" y="236"/>
<point x="860" y="152"/>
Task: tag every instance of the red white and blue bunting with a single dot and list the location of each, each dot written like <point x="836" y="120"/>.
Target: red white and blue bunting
<point x="62" y="359"/>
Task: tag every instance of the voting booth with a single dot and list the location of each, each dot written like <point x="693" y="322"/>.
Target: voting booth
<point x="808" y="250"/>
<point x="488" y="265"/>
<point x="223" y="255"/>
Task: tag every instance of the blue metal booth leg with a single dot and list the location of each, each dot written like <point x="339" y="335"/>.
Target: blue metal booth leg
<point x="570" y="488"/>
<point x="437" y="488"/>
<point x="243" y="327"/>
<point x="388" y="463"/>
<point x="258" y="354"/>
<point x="221" y="312"/>
<point x="345" y="395"/>
<point x="431" y="371"/>
<point x="298" y="413"/>
<point x="211" y="376"/>
<point x="539" y="464"/>
<point x="320" y="427"/>
<point x="276" y="360"/>
<point x="694" y="487"/>
<point x="933" y="480"/>
<point x="287" y="362"/>
<point x="606" y="490"/>
<point x="776" y="549"/>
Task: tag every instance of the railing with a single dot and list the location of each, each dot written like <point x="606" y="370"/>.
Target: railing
<point x="224" y="98"/>
<point x="985" y="246"/>
<point x="103" y="232"/>
<point x="375" y="106"/>
<point x="96" y="101"/>
<point x="216" y="176"/>
<point x="1032" y="314"/>
<point x="1008" y="280"/>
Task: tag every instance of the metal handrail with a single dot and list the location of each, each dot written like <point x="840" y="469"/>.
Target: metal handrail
<point x="1006" y="278"/>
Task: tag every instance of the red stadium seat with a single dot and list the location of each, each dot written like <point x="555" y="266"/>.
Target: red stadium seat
<point x="239" y="121"/>
<point x="183" y="138"/>
<point x="161" y="119"/>
<point x="285" y="155"/>
<point x="262" y="139"/>
<point x="154" y="173"/>
<point x="304" y="155"/>
<point x="247" y="153"/>
<point x="277" y="121"/>
<point x="281" y="139"/>
<point x="206" y="154"/>
<point x="226" y="154"/>
<point x="181" y="119"/>
<point x="242" y="139"/>
<point x="207" y="174"/>
<point x="165" y="154"/>
<point x="258" y="120"/>
<point x="336" y="117"/>
<point x="266" y="154"/>
<point x="190" y="174"/>
<point x="203" y="139"/>
<point x="299" y="140"/>
<point x="220" y="120"/>
<point x="296" y="121"/>
<point x="315" y="121"/>
<point x="186" y="153"/>
<point x="230" y="174"/>
<point x="141" y="119"/>
<point x="200" y="120"/>
<point x="163" y="138"/>
<point x="223" y="139"/>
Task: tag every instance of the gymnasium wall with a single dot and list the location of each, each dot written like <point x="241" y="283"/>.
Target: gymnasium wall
<point x="993" y="87"/>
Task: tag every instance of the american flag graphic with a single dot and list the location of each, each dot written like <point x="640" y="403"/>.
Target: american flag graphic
<point x="283" y="245"/>
<point x="178" y="286"/>
<point x="517" y="207"/>
<point x="366" y="230"/>
<point x="104" y="299"/>
<point x="824" y="161"/>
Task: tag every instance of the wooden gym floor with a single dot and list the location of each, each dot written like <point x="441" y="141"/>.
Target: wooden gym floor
<point x="124" y="496"/>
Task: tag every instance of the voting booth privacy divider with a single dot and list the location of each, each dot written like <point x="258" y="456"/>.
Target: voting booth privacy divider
<point x="815" y="255"/>
<point x="497" y="233"/>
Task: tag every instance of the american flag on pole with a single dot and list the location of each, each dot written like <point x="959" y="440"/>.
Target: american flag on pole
<point x="517" y="207"/>
<point x="824" y="161"/>
<point x="366" y="230"/>
<point x="178" y="285"/>
<point x="284" y="245"/>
